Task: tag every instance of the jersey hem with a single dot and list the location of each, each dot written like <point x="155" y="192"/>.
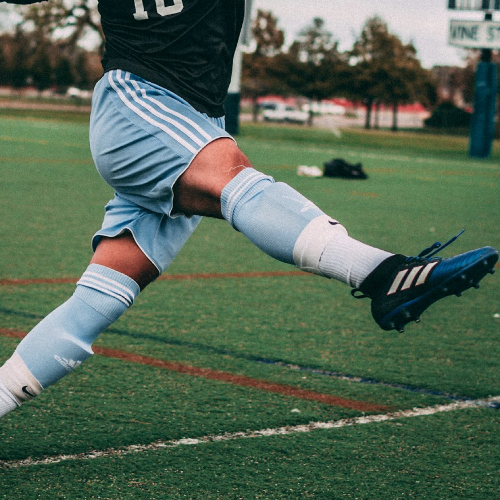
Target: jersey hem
<point x="213" y="111"/>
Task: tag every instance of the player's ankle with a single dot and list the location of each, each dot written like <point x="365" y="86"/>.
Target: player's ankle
<point x="17" y="383"/>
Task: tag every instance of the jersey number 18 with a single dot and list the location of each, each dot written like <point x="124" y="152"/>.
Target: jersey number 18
<point x="161" y="8"/>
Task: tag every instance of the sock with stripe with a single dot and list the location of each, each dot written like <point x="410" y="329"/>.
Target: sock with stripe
<point x="290" y="228"/>
<point x="62" y="341"/>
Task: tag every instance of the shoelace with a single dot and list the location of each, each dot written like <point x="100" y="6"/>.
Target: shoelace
<point x="428" y="252"/>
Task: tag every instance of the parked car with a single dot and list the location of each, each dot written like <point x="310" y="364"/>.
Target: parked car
<point x="282" y="113"/>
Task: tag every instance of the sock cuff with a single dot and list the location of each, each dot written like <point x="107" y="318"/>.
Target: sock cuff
<point x="18" y="379"/>
<point x="111" y="283"/>
<point x="7" y="400"/>
<point x="244" y="185"/>
<point x="312" y="241"/>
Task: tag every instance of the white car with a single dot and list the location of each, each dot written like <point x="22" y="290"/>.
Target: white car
<point x="286" y="114"/>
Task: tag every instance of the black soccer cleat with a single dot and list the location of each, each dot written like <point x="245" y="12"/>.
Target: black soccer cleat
<point x="402" y="288"/>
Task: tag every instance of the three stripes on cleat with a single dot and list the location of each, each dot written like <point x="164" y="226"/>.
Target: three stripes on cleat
<point x="423" y="276"/>
<point x="421" y="271"/>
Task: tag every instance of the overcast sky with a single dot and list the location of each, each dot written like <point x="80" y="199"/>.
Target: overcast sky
<point x="425" y="22"/>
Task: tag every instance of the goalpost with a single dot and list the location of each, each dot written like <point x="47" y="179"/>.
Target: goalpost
<point x="483" y="35"/>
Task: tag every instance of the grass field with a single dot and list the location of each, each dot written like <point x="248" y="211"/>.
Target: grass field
<point x="235" y="377"/>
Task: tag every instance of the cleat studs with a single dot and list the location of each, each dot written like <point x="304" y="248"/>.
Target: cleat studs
<point x="418" y="320"/>
<point x="458" y="294"/>
<point x="391" y="326"/>
<point x="402" y="330"/>
<point x="463" y="277"/>
<point x="474" y="284"/>
<point x="407" y="314"/>
<point x="444" y="289"/>
<point x="491" y="271"/>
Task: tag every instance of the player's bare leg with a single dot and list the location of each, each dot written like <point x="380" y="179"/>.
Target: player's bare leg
<point x="198" y="190"/>
<point x="122" y="254"/>
<point x="220" y="182"/>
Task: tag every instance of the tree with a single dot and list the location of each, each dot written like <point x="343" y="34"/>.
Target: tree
<point x="46" y="46"/>
<point x="5" y="69"/>
<point x="369" y="53"/>
<point x="314" y="66"/>
<point x="77" y="18"/>
<point x="20" y="58"/>
<point x="315" y="43"/>
<point x="385" y="70"/>
<point x="269" y="39"/>
<point x="257" y="79"/>
<point x="63" y="74"/>
<point x="41" y="69"/>
<point x="407" y="81"/>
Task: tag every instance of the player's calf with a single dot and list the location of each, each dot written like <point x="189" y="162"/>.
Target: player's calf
<point x="63" y="340"/>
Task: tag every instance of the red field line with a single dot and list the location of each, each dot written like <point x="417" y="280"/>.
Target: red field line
<point x="165" y="277"/>
<point x="230" y="378"/>
<point x="4" y="332"/>
<point x="168" y="277"/>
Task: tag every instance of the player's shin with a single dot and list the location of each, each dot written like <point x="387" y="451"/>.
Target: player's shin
<point x="62" y="341"/>
<point x="290" y="228"/>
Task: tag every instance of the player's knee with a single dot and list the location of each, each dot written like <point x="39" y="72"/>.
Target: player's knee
<point x="122" y="254"/>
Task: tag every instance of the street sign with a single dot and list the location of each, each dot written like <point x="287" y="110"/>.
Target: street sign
<point x="474" y="5"/>
<point x="475" y="34"/>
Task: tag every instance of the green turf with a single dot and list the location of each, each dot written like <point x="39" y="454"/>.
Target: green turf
<point x="421" y="188"/>
<point x="441" y="457"/>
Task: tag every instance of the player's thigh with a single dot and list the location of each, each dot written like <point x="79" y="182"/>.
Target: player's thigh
<point x="144" y="137"/>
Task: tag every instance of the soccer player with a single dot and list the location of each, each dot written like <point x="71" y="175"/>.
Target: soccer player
<point x="157" y="137"/>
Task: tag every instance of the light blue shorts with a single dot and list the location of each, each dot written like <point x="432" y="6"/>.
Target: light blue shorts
<point x="142" y="138"/>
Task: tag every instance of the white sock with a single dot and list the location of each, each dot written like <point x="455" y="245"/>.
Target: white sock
<point x="325" y="248"/>
<point x="7" y="400"/>
<point x="350" y="261"/>
<point x="17" y="384"/>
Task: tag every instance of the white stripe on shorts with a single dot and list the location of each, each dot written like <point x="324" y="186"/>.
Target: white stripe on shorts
<point x="155" y="112"/>
<point x="143" y="115"/>
<point x="172" y="112"/>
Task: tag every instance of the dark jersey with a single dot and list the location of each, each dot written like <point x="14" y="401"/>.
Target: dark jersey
<point x="186" y="46"/>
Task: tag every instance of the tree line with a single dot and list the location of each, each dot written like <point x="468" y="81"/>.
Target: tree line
<point x="45" y="50"/>
<point x="378" y="70"/>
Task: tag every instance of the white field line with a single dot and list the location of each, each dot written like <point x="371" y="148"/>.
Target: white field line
<point x="360" y="154"/>
<point x="280" y="431"/>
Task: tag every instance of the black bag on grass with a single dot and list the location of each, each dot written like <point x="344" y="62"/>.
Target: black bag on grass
<point x="341" y="168"/>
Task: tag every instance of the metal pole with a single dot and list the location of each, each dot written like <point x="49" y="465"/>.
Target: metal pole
<point x="233" y="99"/>
<point x="482" y="129"/>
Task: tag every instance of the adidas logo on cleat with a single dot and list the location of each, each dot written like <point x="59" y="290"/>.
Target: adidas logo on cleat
<point x="422" y="272"/>
<point x="402" y="288"/>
